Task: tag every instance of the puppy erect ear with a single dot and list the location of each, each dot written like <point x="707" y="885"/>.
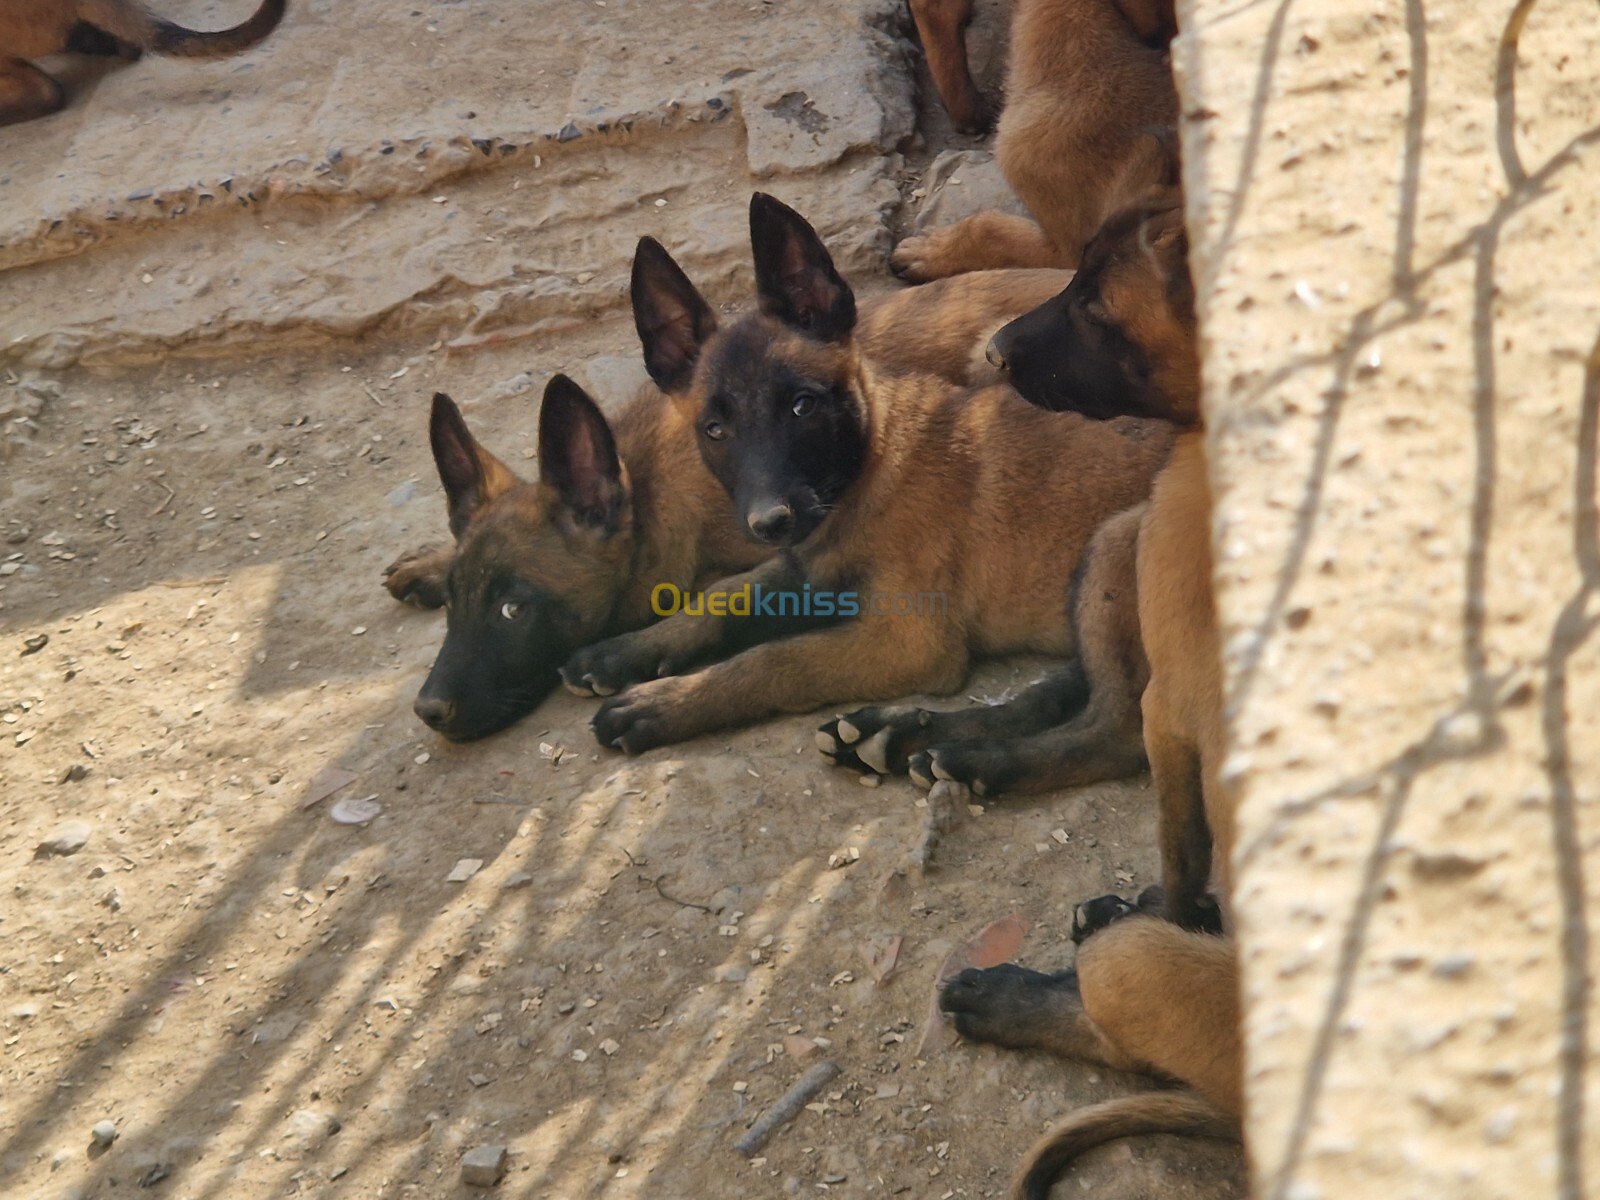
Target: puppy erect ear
<point x="578" y="457"/>
<point x="672" y="319"/>
<point x="471" y="475"/>
<point x="795" y="277"/>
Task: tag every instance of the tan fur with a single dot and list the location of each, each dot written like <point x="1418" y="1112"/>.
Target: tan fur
<point x="1182" y="706"/>
<point x="940" y="25"/>
<point x="943" y="327"/>
<point x="683" y="531"/>
<point x="35" y="28"/>
<point x="977" y="460"/>
<point x="1083" y="134"/>
<point x="1149" y="992"/>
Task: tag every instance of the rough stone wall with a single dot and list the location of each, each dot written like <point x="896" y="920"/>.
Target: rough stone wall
<point x="1394" y="207"/>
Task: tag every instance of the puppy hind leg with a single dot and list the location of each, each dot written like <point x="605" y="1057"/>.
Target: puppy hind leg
<point x="1168" y="998"/>
<point x="418" y="576"/>
<point x="1103" y="741"/>
<point x="885" y="738"/>
<point x="1022" y="1009"/>
<point x="1183" y="835"/>
<point x="982" y="242"/>
<point x="26" y="92"/>
<point x="941" y="24"/>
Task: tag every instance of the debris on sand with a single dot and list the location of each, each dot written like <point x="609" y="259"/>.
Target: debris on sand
<point x="789" y="1106"/>
<point x="464" y="870"/>
<point x="324" y="784"/>
<point x="483" y="1166"/>
<point x="65" y="839"/>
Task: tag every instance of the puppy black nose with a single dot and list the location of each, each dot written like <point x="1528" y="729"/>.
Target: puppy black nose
<point x="772" y="524"/>
<point x="435" y="713"/>
<point x="996" y="353"/>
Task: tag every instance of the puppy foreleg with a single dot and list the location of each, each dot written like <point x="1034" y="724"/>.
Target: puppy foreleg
<point x="869" y="657"/>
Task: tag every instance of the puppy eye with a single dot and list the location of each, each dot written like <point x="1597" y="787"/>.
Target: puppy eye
<point x="714" y="431"/>
<point x="804" y="402"/>
<point x="510" y="611"/>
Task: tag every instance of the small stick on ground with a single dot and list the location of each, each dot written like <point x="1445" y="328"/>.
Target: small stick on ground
<point x="787" y="1108"/>
<point x="160" y="508"/>
<point x="660" y="891"/>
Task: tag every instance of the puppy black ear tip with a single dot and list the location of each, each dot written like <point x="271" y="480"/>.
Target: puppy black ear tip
<point x="562" y="389"/>
<point x="764" y="207"/>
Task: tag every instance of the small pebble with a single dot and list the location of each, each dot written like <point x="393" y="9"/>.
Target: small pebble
<point x="67" y="838"/>
<point x="464" y="870"/>
<point x="483" y="1166"/>
<point x="104" y="1133"/>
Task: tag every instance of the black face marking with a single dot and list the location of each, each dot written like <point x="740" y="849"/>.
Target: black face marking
<point x="786" y="445"/>
<point x="1061" y="357"/>
<point x="505" y="638"/>
<point x="1071" y="354"/>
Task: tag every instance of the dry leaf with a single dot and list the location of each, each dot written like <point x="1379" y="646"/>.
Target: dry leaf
<point x="895" y="887"/>
<point x="998" y="943"/>
<point x="325" y="783"/>
<point x="883" y="957"/>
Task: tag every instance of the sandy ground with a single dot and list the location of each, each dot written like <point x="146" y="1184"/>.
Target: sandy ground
<point x="229" y="292"/>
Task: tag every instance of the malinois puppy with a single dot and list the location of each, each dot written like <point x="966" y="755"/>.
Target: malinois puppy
<point x="1148" y="993"/>
<point x="123" y="28"/>
<point x="882" y="493"/>
<point x="1086" y="130"/>
<point x="540" y="569"/>
<point x="940" y="25"/>
<point x="1081" y="724"/>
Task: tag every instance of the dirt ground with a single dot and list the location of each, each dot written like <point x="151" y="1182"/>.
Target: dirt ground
<point x="228" y="293"/>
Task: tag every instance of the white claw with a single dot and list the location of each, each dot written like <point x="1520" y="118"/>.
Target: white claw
<point x="868" y="780"/>
<point x="875" y="751"/>
<point x="825" y="742"/>
<point x="848" y="732"/>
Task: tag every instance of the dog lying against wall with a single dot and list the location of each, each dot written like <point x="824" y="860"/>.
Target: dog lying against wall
<point x="541" y="569"/>
<point x="871" y="487"/>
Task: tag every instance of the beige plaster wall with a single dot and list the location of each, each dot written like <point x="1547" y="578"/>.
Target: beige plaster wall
<point x="1395" y="215"/>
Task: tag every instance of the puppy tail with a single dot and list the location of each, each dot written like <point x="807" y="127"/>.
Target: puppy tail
<point x="1177" y="1111"/>
<point x="132" y="22"/>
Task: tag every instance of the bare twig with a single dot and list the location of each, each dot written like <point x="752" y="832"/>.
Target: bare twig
<point x="656" y="883"/>
<point x="160" y="508"/>
<point x="788" y="1107"/>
